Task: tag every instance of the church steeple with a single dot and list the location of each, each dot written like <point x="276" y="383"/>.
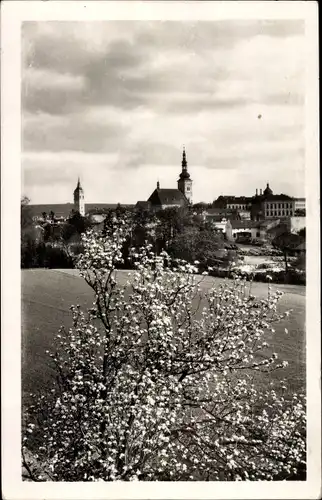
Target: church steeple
<point x="184" y="166"/>
<point x="184" y="181"/>
<point x="184" y="159"/>
<point x="79" y="199"/>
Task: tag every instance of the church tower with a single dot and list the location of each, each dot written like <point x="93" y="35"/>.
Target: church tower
<point x="79" y="200"/>
<point x="184" y="181"/>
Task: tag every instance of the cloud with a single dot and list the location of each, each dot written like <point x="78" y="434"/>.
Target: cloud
<point x="72" y="132"/>
<point x="121" y="98"/>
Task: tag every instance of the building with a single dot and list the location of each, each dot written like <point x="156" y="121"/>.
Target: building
<point x="278" y="205"/>
<point x="268" y="205"/>
<point x="263" y="205"/>
<point x="217" y="214"/>
<point x="166" y="198"/>
<point x="79" y="199"/>
<point x="299" y="204"/>
<point x="249" y="229"/>
<point x="295" y="224"/>
<point x="143" y="205"/>
<point x="239" y="203"/>
<point x="242" y="203"/>
<point x="162" y="198"/>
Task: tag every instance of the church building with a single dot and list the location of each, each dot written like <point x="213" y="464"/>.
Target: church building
<point x="181" y="197"/>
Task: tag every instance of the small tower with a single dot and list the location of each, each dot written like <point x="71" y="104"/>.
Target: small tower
<point x="184" y="181"/>
<point x="79" y="200"/>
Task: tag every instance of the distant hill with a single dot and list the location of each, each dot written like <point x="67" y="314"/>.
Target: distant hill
<point x="64" y="209"/>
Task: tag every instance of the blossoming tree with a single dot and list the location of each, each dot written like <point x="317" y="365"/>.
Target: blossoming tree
<point x="155" y="381"/>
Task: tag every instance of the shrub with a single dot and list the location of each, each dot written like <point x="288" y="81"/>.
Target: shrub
<point x="56" y="257"/>
<point x="147" y="389"/>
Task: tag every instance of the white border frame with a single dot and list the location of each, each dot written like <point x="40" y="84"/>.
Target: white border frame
<point x="13" y="13"/>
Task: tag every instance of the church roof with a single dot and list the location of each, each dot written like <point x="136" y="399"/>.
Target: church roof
<point x="143" y="204"/>
<point x="167" y="197"/>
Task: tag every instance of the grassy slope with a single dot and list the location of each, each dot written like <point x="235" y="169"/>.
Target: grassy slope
<point x="48" y="294"/>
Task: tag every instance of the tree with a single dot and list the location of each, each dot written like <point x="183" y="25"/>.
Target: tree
<point x="148" y="389"/>
<point x="78" y="224"/>
<point x="302" y="233"/>
<point x="28" y="236"/>
<point x="197" y="244"/>
<point x="25" y="213"/>
<point x="287" y="242"/>
<point x="220" y="202"/>
<point x="172" y="221"/>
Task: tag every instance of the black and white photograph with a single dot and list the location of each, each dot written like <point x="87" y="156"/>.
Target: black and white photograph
<point x="167" y="215"/>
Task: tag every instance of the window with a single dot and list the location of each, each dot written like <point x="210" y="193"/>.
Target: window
<point x="188" y="188"/>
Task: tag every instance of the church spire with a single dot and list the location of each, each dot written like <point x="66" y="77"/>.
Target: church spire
<point x="184" y="160"/>
<point x="184" y="164"/>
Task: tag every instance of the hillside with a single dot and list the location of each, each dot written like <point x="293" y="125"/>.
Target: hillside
<point x="48" y="294"/>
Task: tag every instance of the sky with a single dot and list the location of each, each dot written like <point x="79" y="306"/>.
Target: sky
<point x="114" y="103"/>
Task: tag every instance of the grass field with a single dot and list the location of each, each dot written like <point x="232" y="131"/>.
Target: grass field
<point x="48" y="294"/>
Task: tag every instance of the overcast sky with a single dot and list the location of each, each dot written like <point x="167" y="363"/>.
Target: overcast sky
<point x="114" y="102"/>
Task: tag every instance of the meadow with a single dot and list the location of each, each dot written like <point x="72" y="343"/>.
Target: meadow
<point x="48" y="294"/>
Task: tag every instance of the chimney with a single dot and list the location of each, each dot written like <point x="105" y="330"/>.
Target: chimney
<point x="158" y="185"/>
<point x="256" y="192"/>
<point x="261" y="192"/>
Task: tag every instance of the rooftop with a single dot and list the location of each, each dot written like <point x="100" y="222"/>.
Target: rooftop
<point x="244" y="224"/>
<point x="276" y="197"/>
<point x="167" y="197"/>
